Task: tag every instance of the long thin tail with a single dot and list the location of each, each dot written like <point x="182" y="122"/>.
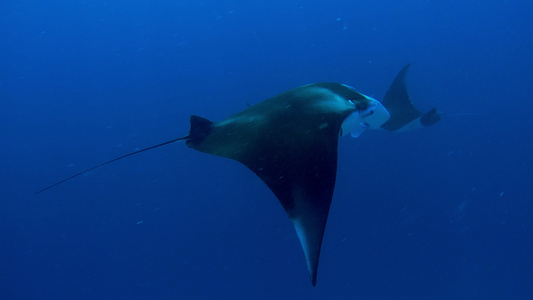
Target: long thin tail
<point x="110" y="161"/>
<point x="466" y="114"/>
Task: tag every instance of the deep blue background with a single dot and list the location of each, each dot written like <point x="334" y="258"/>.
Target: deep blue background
<point x="440" y="213"/>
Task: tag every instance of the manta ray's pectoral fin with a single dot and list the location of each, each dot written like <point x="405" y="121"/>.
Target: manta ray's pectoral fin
<point x="295" y="157"/>
<point x="305" y="190"/>
<point x="303" y="181"/>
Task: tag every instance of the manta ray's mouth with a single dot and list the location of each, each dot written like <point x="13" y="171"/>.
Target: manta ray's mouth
<point x="369" y="110"/>
<point x="375" y="114"/>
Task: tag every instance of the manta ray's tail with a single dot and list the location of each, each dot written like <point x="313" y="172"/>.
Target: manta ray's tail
<point x="200" y="128"/>
<point x="110" y="161"/>
<point x="465" y="114"/>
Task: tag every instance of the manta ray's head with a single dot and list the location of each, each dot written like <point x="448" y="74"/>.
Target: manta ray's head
<point x="370" y="114"/>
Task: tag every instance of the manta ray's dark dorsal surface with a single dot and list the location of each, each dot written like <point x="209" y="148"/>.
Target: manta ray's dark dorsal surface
<point x="404" y="115"/>
<point x="290" y="142"/>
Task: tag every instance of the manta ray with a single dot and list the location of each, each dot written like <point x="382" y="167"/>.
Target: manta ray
<point x="404" y="115"/>
<point x="290" y="142"/>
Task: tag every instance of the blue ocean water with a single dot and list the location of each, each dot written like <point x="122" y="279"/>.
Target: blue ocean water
<point x="440" y="213"/>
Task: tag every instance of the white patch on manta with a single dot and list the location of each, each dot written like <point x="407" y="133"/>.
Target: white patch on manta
<point x="323" y="125"/>
<point x="351" y="123"/>
<point x="376" y="114"/>
<point x="371" y="118"/>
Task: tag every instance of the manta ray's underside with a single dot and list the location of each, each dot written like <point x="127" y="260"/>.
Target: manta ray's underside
<point x="290" y="142"/>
